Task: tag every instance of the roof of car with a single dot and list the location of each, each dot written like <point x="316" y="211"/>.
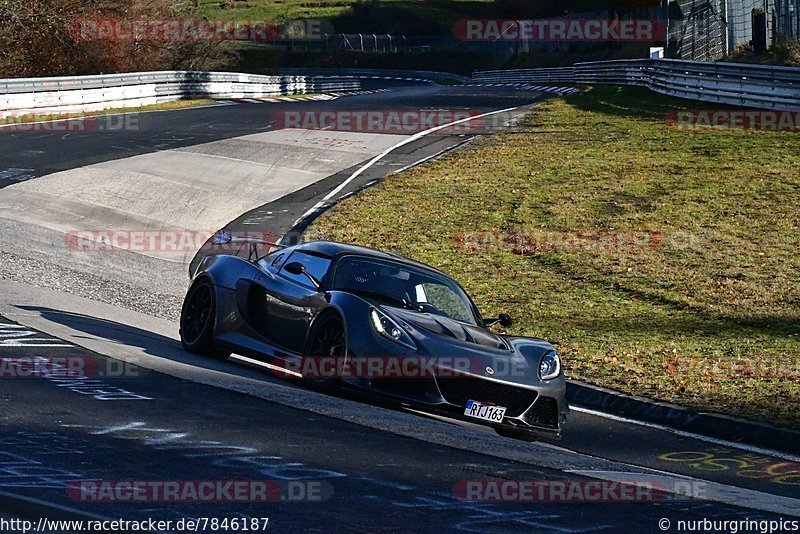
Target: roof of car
<point x="330" y="248"/>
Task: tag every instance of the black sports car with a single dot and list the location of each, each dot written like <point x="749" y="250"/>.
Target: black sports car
<point x="346" y="316"/>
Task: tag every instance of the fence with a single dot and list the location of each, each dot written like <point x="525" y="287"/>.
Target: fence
<point x="753" y="86"/>
<point x="95" y="93"/>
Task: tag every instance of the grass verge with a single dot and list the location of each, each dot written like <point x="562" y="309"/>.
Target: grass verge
<point x="352" y="16"/>
<point x="165" y="106"/>
<point x="704" y="313"/>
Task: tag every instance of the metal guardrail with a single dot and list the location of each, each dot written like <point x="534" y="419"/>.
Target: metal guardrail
<point x="414" y="75"/>
<point x="754" y="86"/>
<point x="94" y="93"/>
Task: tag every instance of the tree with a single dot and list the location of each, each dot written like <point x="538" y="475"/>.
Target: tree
<point x="39" y="38"/>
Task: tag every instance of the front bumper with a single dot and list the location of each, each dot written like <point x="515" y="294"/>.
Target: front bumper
<point x="539" y="410"/>
<point x="526" y="408"/>
<point x="532" y="404"/>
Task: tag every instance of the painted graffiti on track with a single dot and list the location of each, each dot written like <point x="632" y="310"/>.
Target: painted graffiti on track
<point x="28" y="354"/>
<point x="740" y="463"/>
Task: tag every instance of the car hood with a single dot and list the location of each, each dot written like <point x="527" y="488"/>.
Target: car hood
<point x="445" y="326"/>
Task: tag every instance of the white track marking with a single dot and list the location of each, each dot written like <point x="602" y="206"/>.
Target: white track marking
<point x="673" y="483"/>
<point x="428" y="158"/>
<point x="683" y="433"/>
<point x="386" y="152"/>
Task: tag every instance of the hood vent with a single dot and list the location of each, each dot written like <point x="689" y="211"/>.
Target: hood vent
<point x="448" y="327"/>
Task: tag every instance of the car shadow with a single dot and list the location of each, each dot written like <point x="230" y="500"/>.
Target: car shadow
<point x="151" y="343"/>
<point x="160" y="346"/>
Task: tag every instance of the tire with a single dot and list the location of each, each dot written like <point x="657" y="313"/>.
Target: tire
<point x="326" y="339"/>
<point x="520" y="435"/>
<point x="197" y="320"/>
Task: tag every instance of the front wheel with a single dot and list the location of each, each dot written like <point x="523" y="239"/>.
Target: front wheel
<point x="325" y="341"/>
<point x="197" y="320"/>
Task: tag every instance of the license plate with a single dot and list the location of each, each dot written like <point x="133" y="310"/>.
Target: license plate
<point x="487" y="412"/>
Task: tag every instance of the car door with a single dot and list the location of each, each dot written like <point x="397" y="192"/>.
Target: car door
<point x="288" y="302"/>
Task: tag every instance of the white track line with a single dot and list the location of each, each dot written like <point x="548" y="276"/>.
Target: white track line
<point x="703" y="489"/>
<point x="432" y="156"/>
<point x="683" y="433"/>
<point x="673" y="483"/>
<point x="376" y="159"/>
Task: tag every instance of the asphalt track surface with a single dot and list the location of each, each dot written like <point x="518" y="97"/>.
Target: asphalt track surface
<point x="132" y="424"/>
<point x="382" y="468"/>
<point x="41" y="152"/>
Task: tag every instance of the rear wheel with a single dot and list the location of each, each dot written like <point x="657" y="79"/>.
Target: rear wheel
<point x="326" y="341"/>
<point x="197" y="320"/>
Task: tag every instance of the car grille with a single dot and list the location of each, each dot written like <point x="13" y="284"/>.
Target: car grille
<point x="460" y="389"/>
<point x="544" y="413"/>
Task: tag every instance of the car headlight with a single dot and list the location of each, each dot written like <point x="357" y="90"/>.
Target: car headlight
<point x="549" y="366"/>
<point x="388" y="328"/>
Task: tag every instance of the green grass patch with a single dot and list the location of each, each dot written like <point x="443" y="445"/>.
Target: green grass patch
<point x="165" y="106"/>
<point x="719" y="285"/>
<point x="272" y="9"/>
<point x="352" y="16"/>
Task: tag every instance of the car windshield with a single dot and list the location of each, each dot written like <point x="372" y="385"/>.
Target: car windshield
<point x="401" y="284"/>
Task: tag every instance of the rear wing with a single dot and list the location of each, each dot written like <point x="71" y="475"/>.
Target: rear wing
<point x="257" y="244"/>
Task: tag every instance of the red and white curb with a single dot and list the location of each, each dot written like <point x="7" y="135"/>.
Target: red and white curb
<point x="297" y="98"/>
<point x="274" y="99"/>
<point x="356" y="93"/>
<point x="529" y="87"/>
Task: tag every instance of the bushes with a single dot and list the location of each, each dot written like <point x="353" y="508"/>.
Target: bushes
<point x="784" y="51"/>
<point x="36" y="39"/>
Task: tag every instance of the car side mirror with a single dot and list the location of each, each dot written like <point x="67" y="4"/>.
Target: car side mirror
<point x="295" y="268"/>
<point x="504" y="319"/>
